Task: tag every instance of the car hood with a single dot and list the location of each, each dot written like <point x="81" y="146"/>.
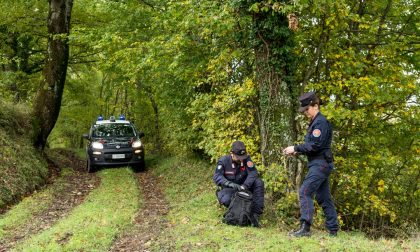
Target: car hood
<point x="121" y="141"/>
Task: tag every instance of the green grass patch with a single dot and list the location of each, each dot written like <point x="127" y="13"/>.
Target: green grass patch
<point x="92" y="226"/>
<point x="195" y="220"/>
<point x="24" y="212"/>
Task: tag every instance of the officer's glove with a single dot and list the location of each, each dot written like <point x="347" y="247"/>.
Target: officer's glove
<point x="227" y="184"/>
<point x="236" y="187"/>
<point x="243" y="188"/>
<point x="232" y="185"/>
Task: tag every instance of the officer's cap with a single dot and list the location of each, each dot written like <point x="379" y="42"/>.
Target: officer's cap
<point x="238" y="148"/>
<point x="306" y="99"/>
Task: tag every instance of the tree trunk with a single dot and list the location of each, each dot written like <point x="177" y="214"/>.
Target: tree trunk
<point x="156" y="111"/>
<point x="48" y="100"/>
<point x="277" y="91"/>
<point x="150" y="94"/>
<point x="116" y="102"/>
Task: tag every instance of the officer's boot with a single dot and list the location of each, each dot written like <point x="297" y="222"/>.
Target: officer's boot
<point x="332" y="233"/>
<point x="304" y="230"/>
<point x="255" y="220"/>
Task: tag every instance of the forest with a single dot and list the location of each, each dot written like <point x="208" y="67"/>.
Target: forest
<point x="196" y="75"/>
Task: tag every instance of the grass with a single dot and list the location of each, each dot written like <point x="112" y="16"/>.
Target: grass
<point x="92" y="226"/>
<point x="195" y="220"/>
<point x="21" y="214"/>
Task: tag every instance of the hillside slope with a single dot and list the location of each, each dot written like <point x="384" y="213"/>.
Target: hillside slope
<point x="169" y="207"/>
<point x="22" y="169"/>
<point x="194" y="221"/>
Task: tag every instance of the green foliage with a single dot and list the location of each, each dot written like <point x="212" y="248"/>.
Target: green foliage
<point x="366" y="72"/>
<point x="22" y="48"/>
<point x="106" y="79"/>
<point x="281" y="196"/>
<point x="79" y="109"/>
<point x="199" y="59"/>
<point x="22" y="169"/>
<point x="193" y="76"/>
<point x="222" y="117"/>
<point x="362" y="60"/>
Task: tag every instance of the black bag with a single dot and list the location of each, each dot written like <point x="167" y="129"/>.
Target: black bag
<point x="239" y="211"/>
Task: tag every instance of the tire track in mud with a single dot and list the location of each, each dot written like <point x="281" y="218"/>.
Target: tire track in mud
<point x="149" y="221"/>
<point x="76" y="187"/>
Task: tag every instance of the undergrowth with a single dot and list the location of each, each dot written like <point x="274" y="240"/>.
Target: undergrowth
<point x="22" y="169"/>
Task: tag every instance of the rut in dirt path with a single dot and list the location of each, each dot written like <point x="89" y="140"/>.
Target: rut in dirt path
<point x="149" y="221"/>
<point x="76" y="187"/>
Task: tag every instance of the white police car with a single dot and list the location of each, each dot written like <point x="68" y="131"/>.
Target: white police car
<point x="114" y="142"/>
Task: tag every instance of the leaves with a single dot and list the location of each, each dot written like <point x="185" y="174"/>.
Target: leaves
<point x="187" y="71"/>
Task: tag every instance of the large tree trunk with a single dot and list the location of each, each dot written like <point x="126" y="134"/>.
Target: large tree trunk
<point x="277" y="90"/>
<point x="48" y="100"/>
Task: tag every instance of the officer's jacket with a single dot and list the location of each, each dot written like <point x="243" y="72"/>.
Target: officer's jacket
<point x="318" y="138"/>
<point x="241" y="174"/>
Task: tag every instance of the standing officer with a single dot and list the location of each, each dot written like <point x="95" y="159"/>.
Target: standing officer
<point x="317" y="147"/>
<point x="236" y="172"/>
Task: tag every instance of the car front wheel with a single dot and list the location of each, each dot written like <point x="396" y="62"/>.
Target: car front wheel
<point x="89" y="166"/>
<point x="140" y="167"/>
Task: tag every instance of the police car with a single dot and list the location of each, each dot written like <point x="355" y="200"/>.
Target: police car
<point x="114" y="142"/>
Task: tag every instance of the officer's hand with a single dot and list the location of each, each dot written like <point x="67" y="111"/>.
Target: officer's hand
<point x="243" y="188"/>
<point x="227" y="184"/>
<point x="235" y="186"/>
<point x="250" y="164"/>
<point x="289" y="151"/>
<point x="232" y="185"/>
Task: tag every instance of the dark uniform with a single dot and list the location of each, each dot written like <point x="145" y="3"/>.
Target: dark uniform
<point x="317" y="148"/>
<point x="240" y="174"/>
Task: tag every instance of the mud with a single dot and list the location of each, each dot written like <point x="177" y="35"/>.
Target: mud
<point x="150" y="221"/>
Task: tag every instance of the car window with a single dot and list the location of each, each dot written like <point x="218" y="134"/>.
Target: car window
<point x="113" y="130"/>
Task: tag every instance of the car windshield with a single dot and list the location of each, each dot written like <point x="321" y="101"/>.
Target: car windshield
<point x="113" y="130"/>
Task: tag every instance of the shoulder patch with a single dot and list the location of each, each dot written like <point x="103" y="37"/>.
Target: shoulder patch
<point x="219" y="167"/>
<point x="316" y="132"/>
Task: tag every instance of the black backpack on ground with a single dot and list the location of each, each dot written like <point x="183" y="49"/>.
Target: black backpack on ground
<point x="239" y="211"/>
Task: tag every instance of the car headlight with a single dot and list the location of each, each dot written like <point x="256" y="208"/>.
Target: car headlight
<point x="97" y="145"/>
<point x="136" y="144"/>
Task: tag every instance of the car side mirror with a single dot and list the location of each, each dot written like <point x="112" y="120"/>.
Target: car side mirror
<point x="86" y="136"/>
<point x="141" y="134"/>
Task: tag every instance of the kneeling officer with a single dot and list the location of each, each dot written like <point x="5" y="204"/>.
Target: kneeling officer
<point x="236" y="172"/>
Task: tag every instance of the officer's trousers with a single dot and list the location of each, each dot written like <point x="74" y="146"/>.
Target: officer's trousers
<point x="316" y="182"/>
<point x="257" y="189"/>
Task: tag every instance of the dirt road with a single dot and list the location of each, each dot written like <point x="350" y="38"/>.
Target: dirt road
<point x="70" y="189"/>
